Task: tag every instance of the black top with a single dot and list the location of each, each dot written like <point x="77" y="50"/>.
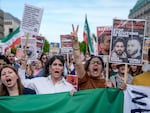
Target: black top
<point x="28" y="91"/>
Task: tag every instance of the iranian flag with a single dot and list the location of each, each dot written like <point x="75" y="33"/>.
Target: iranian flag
<point x="95" y="44"/>
<point x="135" y="99"/>
<point x="12" y="40"/>
<point x="87" y="36"/>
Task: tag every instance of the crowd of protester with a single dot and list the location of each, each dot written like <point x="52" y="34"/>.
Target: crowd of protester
<point x="47" y="74"/>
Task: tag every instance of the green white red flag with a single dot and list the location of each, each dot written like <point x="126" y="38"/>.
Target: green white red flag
<point x="12" y="40"/>
<point x="87" y="36"/>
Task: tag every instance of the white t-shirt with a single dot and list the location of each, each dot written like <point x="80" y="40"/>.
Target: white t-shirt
<point x="45" y="85"/>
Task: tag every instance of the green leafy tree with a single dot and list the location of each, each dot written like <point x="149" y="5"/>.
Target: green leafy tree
<point x="82" y="46"/>
<point x="46" y="46"/>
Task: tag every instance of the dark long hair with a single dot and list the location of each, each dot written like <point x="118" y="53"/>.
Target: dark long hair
<point x="3" y="88"/>
<point x="50" y="61"/>
<point x="3" y="57"/>
<point x="43" y="54"/>
<point x="137" y="72"/>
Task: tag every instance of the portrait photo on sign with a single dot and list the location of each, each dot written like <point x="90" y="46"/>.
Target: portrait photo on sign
<point x="54" y="48"/>
<point x="145" y="48"/>
<point x="29" y="48"/>
<point x="104" y="37"/>
<point x="127" y="41"/>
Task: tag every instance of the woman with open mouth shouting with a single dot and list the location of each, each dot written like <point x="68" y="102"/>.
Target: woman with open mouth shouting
<point x="91" y="75"/>
<point x="53" y="80"/>
<point x="11" y="83"/>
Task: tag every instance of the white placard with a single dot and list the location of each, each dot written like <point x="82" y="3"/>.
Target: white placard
<point x="31" y="19"/>
<point x="31" y="49"/>
<point x="66" y="44"/>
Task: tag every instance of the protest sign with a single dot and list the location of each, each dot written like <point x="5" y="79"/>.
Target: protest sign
<point x="30" y="50"/>
<point x="54" y="48"/>
<point x="104" y="37"/>
<point x="127" y="41"/>
<point x="31" y="19"/>
<point x="145" y="49"/>
<point x="66" y="44"/>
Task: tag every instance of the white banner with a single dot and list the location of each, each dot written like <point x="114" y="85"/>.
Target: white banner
<point x="137" y="99"/>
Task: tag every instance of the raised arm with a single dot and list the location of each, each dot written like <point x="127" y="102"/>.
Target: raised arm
<point x="79" y="67"/>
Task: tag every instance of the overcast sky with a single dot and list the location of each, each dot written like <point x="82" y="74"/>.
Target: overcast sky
<point x="59" y="15"/>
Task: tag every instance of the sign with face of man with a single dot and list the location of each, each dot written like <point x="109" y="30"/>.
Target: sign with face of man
<point x="145" y="49"/>
<point x="127" y="41"/>
<point x="104" y="37"/>
<point x="30" y="49"/>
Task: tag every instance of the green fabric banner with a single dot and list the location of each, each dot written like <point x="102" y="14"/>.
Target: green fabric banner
<point x="102" y="100"/>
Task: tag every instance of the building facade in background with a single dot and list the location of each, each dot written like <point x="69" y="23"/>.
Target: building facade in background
<point x="141" y="10"/>
<point x="11" y="23"/>
<point x="1" y="23"/>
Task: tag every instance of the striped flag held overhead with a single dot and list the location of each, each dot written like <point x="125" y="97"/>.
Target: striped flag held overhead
<point x="87" y="36"/>
<point x="12" y="40"/>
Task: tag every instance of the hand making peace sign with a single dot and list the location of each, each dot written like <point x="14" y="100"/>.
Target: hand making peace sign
<point x="74" y="33"/>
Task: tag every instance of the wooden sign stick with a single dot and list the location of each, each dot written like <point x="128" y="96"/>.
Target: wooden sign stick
<point x="126" y="72"/>
<point x="26" y="43"/>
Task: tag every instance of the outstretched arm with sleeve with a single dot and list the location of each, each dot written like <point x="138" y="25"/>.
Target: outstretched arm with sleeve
<point x="76" y="52"/>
